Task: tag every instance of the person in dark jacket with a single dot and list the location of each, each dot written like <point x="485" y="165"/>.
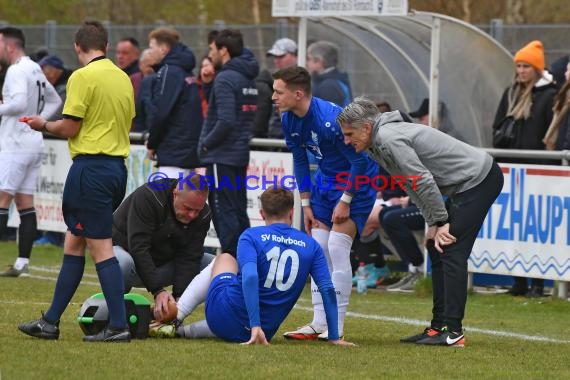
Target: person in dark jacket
<point x="268" y="119"/>
<point x="57" y="75"/>
<point x="158" y="236"/>
<point x="328" y="82"/>
<point x="127" y="53"/>
<point x="205" y="82"/>
<point x="264" y="84"/>
<point x="529" y="100"/>
<point x="142" y="84"/>
<point x="558" y="70"/>
<point x="176" y="111"/>
<point x="558" y="134"/>
<point x="224" y="142"/>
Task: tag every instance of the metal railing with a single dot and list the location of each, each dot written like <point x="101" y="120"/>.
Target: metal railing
<point x="562" y="155"/>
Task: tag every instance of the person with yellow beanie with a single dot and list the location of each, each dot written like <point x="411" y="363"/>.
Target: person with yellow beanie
<point x="529" y="100"/>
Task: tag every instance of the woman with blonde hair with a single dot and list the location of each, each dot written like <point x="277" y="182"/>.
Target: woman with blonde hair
<point x="529" y="100"/>
<point x="558" y="134"/>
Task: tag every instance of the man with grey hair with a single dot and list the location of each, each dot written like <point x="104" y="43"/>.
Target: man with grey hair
<point x="328" y="82"/>
<point x="434" y="164"/>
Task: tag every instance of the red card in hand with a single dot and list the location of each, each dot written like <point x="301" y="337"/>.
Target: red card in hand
<point x="24" y="119"/>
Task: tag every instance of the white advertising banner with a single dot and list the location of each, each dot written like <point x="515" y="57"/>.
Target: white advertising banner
<point x="526" y="232"/>
<point x="47" y="199"/>
<point x="340" y="8"/>
<point x="265" y="169"/>
<point x="55" y="165"/>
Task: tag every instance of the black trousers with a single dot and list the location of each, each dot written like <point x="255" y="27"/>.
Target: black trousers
<point x="467" y="211"/>
<point x="228" y="202"/>
<point x="399" y="223"/>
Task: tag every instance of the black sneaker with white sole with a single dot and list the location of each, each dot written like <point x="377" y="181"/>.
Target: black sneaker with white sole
<point x="429" y="331"/>
<point x="444" y="338"/>
<point x="110" y="335"/>
<point x="40" y="328"/>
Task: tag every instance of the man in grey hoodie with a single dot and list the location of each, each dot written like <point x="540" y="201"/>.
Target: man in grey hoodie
<point x="434" y="165"/>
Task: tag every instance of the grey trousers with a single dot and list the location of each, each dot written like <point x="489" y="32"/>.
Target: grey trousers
<point x="165" y="273"/>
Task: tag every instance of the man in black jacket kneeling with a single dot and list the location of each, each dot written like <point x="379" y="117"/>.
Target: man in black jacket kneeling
<point x="158" y="236"/>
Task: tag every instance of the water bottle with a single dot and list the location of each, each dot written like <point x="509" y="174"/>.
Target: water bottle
<point x="361" y="276"/>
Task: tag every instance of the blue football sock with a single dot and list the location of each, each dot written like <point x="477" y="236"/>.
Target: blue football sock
<point x="111" y="279"/>
<point x="67" y="282"/>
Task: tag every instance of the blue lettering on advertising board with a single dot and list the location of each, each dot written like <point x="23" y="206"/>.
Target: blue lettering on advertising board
<point x="526" y="217"/>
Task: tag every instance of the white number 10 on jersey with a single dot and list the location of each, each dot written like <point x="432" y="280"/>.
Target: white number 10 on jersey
<point x="276" y="272"/>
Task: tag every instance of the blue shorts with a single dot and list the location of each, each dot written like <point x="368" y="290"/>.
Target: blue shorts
<point x="226" y="313"/>
<point x="323" y="202"/>
<point x="94" y="188"/>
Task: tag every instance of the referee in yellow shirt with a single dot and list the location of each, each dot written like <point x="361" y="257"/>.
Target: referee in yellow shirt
<point x="96" y="120"/>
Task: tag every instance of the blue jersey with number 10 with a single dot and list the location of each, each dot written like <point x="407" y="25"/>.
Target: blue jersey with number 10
<point x="284" y="257"/>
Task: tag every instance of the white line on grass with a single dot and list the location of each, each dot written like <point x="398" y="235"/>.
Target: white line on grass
<point x="56" y="270"/>
<point x="11" y="302"/>
<point x="404" y="321"/>
<point x="419" y="322"/>
<point x="55" y="279"/>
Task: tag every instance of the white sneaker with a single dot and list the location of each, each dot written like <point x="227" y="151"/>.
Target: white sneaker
<point x="402" y="282"/>
<point x="307" y="332"/>
<point x="410" y="286"/>
<point x="325" y="336"/>
<point x="11" y="271"/>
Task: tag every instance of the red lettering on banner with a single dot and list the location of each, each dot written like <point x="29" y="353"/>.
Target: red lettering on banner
<point x="49" y="213"/>
<point x="272" y="171"/>
<point x="253" y="168"/>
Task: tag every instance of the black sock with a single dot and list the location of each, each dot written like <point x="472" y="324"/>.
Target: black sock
<point x="369" y="252"/>
<point x="3" y="221"/>
<point x="380" y="262"/>
<point x="27" y="232"/>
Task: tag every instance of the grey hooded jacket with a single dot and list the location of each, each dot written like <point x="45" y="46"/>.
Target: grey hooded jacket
<point x="443" y="164"/>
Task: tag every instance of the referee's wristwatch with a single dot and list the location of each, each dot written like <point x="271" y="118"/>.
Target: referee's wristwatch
<point x="441" y="223"/>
